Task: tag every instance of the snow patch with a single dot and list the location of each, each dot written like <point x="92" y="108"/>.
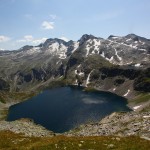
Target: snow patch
<point x="141" y="49"/>
<point x="129" y="63"/>
<point x="133" y="46"/>
<point x="128" y="39"/>
<point x="33" y="50"/>
<point x="81" y="74"/>
<point x="88" y="78"/>
<point x="103" y="55"/>
<point x="143" y="43"/>
<point x="136" y="107"/>
<point x="79" y="66"/>
<point x="116" y="53"/>
<point x="114" y="89"/>
<point x="146" y="116"/>
<point x="62" y="56"/>
<point x="137" y="65"/>
<point x="76" y="82"/>
<point x="62" y="51"/>
<point x="114" y="37"/>
<point x="97" y="43"/>
<point x="126" y="93"/>
<point x="57" y="62"/>
<point x="60" y="77"/>
<point x="76" y="45"/>
<point x="76" y="71"/>
<point x="118" y="44"/>
<point x="87" y="50"/>
<point x="57" y="49"/>
<point x="52" y="48"/>
<point x="111" y="59"/>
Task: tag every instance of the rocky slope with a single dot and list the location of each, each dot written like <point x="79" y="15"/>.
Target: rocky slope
<point x="119" y="124"/>
<point x="26" y="127"/>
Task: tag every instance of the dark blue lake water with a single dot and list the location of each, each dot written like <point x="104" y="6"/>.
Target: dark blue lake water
<point x="64" y="108"/>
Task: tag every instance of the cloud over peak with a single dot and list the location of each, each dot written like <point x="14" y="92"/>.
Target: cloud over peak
<point x="64" y="38"/>
<point x="47" y="25"/>
<point x="31" y="39"/>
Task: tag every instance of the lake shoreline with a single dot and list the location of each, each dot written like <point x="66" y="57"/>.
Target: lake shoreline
<point x="77" y="104"/>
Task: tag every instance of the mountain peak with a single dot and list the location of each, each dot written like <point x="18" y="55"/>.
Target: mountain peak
<point x="26" y="47"/>
<point x="113" y="37"/>
<point x="136" y="37"/>
<point x="85" y="37"/>
<point x="132" y="36"/>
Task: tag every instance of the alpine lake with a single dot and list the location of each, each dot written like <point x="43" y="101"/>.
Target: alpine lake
<point x="64" y="108"/>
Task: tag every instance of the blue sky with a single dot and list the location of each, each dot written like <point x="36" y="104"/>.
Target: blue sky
<point x="30" y="22"/>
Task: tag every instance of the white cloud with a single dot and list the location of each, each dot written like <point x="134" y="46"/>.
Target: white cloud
<point x="53" y="16"/>
<point x="48" y="25"/>
<point x="28" y="38"/>
<point x="38" y="41"/>
<point x="21" y="41"/>
<point x="64" y="38"/>
<point x="31" y="39"/>
<point x="1" y="49"/>
<point x="4" y="38"/>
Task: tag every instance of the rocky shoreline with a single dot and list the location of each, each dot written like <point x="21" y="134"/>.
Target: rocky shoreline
<point x="119" y="124"/>
<point x="26" y="127"/>
<point x="134" y="123"/>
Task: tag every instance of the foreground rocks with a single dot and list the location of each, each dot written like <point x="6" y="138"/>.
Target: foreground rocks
<point x="116" y="124"/>
<point x="26" y="127"/>
<point x="120" y="124"/>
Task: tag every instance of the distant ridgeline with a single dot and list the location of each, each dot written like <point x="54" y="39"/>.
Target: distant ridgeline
<point x="116" y="64"/>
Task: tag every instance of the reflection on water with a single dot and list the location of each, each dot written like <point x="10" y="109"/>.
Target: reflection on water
<point x="92" y="101"/>
<point x="62" y="109"/>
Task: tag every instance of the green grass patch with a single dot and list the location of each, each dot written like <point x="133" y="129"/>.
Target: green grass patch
<point x="11" y="141"/>
<point x="3" y="114"/>
<point x="144" y="97"/>
<point x="2" y="100"/>
<point x="90" y="89"/>
<point x="147" y="80"/>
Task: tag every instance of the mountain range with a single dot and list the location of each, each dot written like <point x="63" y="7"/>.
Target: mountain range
<point x="117" y="64"/>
